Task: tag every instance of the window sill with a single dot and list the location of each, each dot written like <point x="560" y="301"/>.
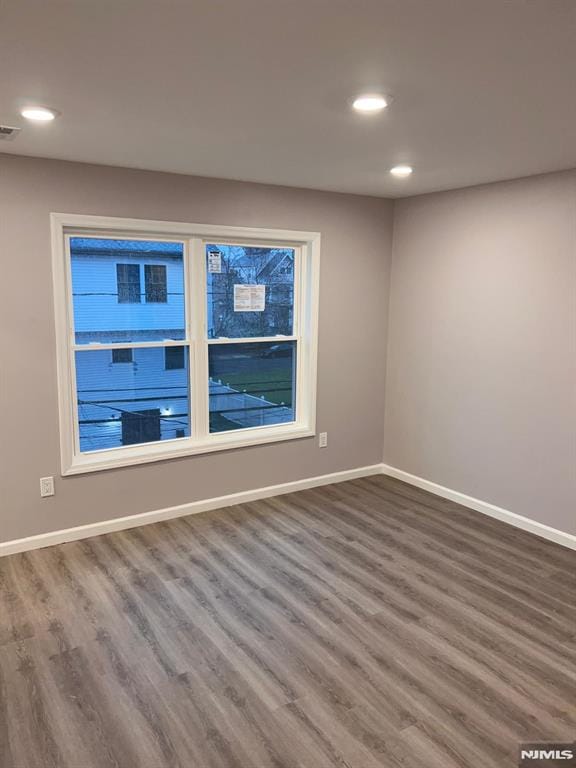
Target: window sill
<point x="182" y="447"/>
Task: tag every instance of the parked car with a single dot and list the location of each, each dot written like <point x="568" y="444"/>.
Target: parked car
<point x="278" y="350"/>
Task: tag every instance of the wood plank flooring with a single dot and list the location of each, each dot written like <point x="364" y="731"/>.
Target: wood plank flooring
<point x="364" y="625"/>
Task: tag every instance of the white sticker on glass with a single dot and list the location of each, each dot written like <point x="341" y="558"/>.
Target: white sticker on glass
<point x="214" y="261"/>
<point x="249" y="298"/>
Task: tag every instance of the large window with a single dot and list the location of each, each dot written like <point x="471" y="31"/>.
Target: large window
<point x="178" y="339"/>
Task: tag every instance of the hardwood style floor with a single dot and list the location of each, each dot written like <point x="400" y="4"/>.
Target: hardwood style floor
<point x="362" y="625"/>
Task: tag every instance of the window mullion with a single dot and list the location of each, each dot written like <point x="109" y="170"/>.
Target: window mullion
<point x="199" y="389"/>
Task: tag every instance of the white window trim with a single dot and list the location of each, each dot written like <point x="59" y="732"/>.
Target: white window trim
<point x="305" y="328"/>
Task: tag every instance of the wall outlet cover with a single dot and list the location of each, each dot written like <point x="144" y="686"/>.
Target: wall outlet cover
<point x="46" y="486"/>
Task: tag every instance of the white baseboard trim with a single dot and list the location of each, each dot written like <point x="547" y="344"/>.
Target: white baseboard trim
<point x="133" y="521"/>
<point x="518" y="521"/>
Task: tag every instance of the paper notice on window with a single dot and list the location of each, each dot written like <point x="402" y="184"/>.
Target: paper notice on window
<point x="249" y="298"/>
<point x="214" y="261"/>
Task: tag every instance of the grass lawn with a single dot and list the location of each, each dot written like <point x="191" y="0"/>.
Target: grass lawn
<point x="274" y="385"/>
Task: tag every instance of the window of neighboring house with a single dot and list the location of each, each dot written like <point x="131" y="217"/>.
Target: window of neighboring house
<point x="173" y="358"/>
<point x="128" y="282"/>
<point x="121" y="355"/>
<point x="243" y="370"/>
<point x="155" y="283"/>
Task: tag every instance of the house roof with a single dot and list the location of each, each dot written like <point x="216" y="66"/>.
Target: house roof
<point x="273" y="263"/>
<point x="85" y="245"/>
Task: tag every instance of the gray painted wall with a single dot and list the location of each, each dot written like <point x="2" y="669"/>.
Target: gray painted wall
<point x="356" y="252"/>
<point x="481" y="381"/>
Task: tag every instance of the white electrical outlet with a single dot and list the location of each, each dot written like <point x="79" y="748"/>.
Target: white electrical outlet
<point x="323" y="440"/>
<point x="46" y="486"/>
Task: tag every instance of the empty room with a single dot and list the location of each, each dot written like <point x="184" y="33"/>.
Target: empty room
<point x="287" y="383"/>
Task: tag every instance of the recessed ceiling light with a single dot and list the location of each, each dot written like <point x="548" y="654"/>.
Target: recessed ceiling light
<point x="401" y="171"/>
<point x="39" y="114"/>
<point x="369" y="103"/>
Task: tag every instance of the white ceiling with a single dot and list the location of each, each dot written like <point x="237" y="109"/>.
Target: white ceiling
<point x="259" y="89"/>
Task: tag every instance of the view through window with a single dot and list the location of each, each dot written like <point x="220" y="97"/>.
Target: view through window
<point x="250" y="293"/>
<point x="135" y="353"/>
<point x="146" y="401"/>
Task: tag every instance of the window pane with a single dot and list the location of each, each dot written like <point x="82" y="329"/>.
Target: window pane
<point x="121" y="355"/>
<point x="251" y="385"/>
<point x="128" y="404"/>
<point x="127" y="290"/>
<point x="234" y="313"/>
<point x="128" y="282"/>
<point x="173" y="358"/>
<point x="155" y="279"/>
